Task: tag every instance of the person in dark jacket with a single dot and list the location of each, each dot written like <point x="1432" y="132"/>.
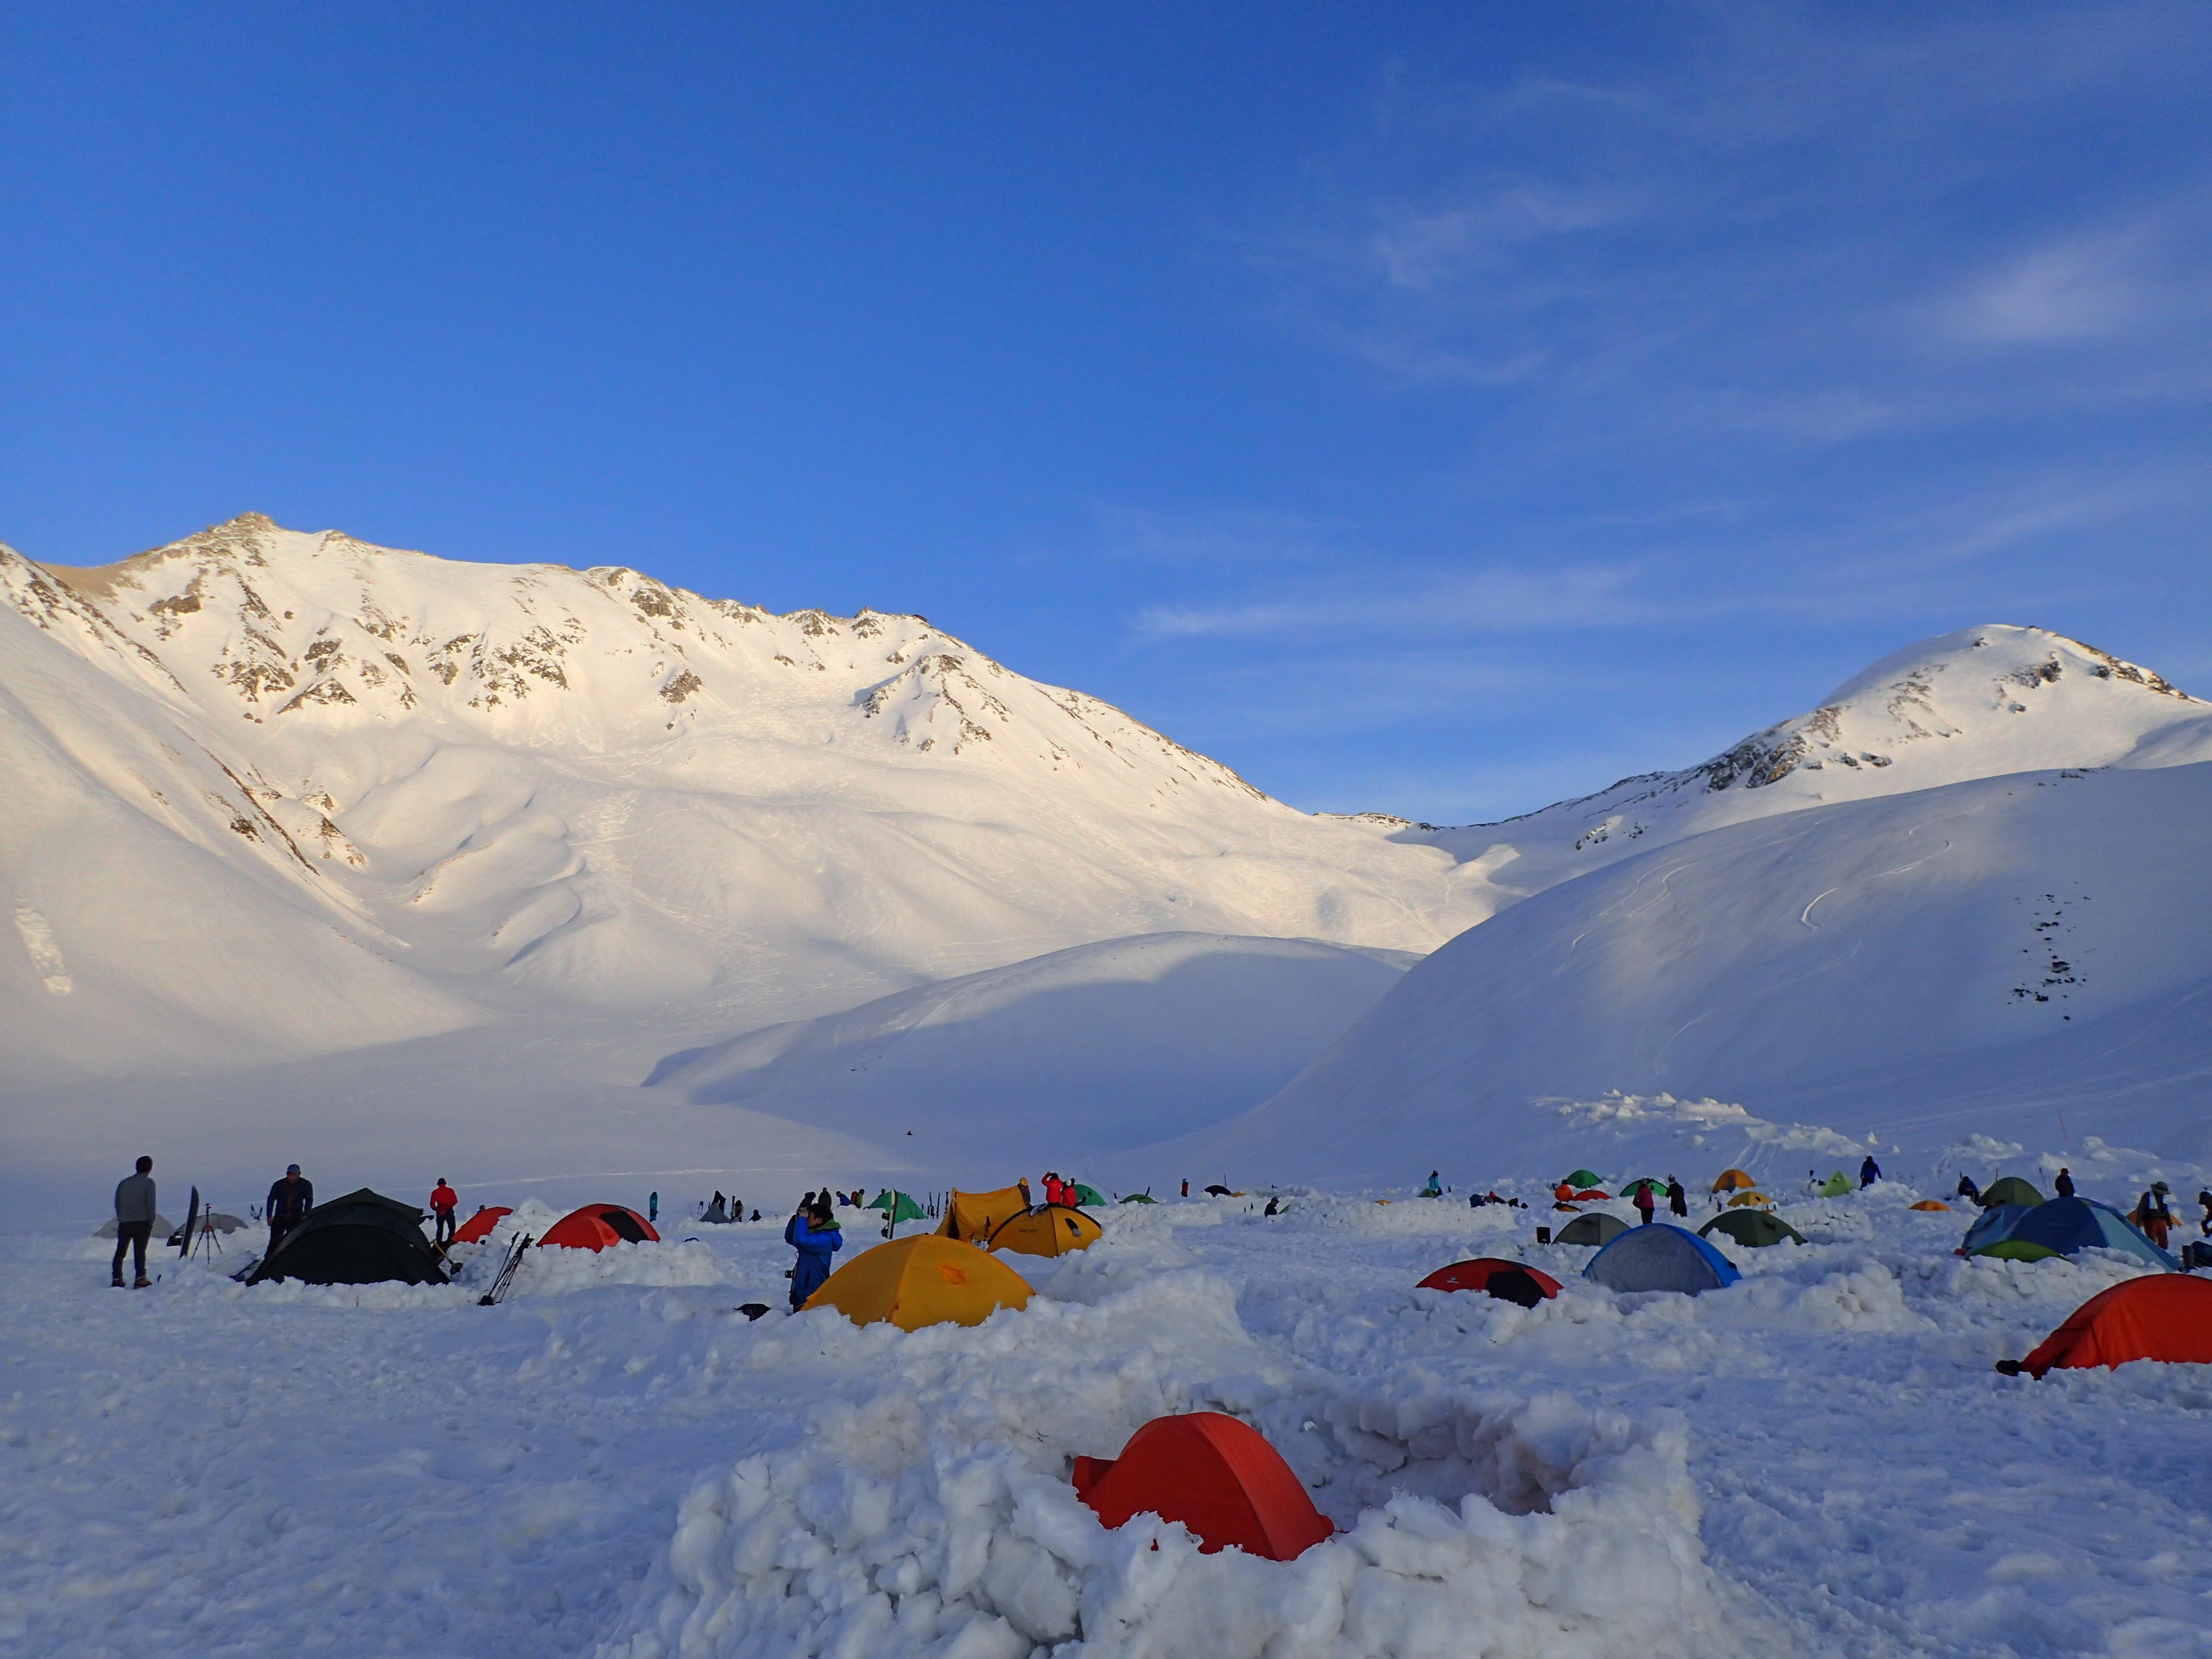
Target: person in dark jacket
<point x="2064" y="1185"/>
<point x="2204" y="1198"/>
<point x="1869" y="1172"/>
<point x="2157" y="1214"/>
<point x="1968" y="1191"/>
<point x="1678" y="1198"/>
<point x="133" y="1220"/>
<point x="289" y="1201"/>
<point x="812" y="1232"/>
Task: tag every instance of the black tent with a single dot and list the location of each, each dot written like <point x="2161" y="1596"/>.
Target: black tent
<point x="363" y="1238"/>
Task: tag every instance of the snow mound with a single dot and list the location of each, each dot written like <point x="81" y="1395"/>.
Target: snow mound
<point x="1574" y="1533"/>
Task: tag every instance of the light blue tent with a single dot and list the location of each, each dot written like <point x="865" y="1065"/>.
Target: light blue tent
<point x="1661" y="1258"/>
<point x="1993" y="1224"/>
<point x="2065" y="1225"/>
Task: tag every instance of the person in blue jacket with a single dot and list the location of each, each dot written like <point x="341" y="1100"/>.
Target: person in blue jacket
<point x="1869" y="1172"/>
<point x="812" y="1232"/>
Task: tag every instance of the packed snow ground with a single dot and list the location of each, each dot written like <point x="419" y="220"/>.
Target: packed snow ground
<point x="1818" y="1460"/>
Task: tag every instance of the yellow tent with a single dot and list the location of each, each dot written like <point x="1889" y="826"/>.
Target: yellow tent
<point x="1733" y="1180"/>
<point x="1053" y="1229"/>
<point x="1757" y="1198"/>
<point x="972" y="1217"/>
<point x="922" y="1280"/>
<point x="1930" y="1204"/>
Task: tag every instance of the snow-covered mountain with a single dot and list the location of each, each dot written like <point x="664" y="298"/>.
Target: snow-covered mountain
<point x="275" y="793"/>
<point x="2024" y="960"/>
<point x="1982" y="703"/>
<point x="1106" y="1045"/>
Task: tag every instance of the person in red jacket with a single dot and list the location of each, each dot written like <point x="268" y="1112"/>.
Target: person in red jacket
<point x="444" y="1200"/>
<point x="1644" y="1204"/>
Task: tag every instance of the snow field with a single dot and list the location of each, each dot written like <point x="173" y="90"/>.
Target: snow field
<point x="1816" y="1460"/>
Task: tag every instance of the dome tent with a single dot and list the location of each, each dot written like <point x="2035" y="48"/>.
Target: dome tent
<point x="1931" y="1204"/>
<point x="1733" y="1180"/>
<point x="1992" y="1225"/>
<point x="163" y="1227"/>
<point x="2164" y="1317"/>
<point x="1597" y="1228"/>
<point x="1089" y="1196"/>
<point x="1660" y="1257"/>
<point x="972" y="1217"/>
<point x="1049" y="1230"/>
<point x="1582" y="1178"/>
<point x="2066" y="1225"/>
<point x="363" y="1238"/>
<point x="1838" y="1185"/>
<point x="927" y="1280"/>
<point x="2010" y="1189"/>
<point x="1753" y="1228"/>
<point x="1509" y="1281"/>
<point x="1658" y="1186"/>
<point x="598" y="1225"/>
<point x="477" y="1228"/>
<point x="1213" y="1474"/>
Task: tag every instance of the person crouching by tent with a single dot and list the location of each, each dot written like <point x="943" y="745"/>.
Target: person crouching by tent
<point x="444" y="1200"/>
<point x="289" y="1201"/>
<point x="2157" y="1213"/>
<point x="1643" y="1205"/>
<point x="1968" y="1191"/>
<point x="133" y="1220"/>
<point x="812" y="1232"/>
<point x="1678" y="1198"/>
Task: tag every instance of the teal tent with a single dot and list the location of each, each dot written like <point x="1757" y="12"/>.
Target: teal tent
<point x="896" y="1207"/>
<point x="1088" y="1194"/>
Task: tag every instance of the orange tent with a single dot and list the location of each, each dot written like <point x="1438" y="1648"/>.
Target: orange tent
<point x="598" y="1225"/>
<point x="477" y="1228"/>
<point x="1048" y="1230"/>
<point x="1931" y="1204"/>
<point x="1510" y="1281"/>
<point x="922" y="1280"/>
<point x="972" y="1217"/>
<point x="1733" y="1180"/>
<point x="1216" y="1476"/>
<point x="2159" y="1316"/>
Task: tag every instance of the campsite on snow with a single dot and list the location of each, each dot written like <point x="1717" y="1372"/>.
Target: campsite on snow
<point x="1757" y="1208"/>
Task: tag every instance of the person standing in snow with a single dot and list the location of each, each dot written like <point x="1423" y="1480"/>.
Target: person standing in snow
<point x="2157" y="1214"/>
<point x="444" y="1200"/>
<point x="1869" y="1172"/>
<point x="1186" y="1189"/>
<point x="2064" y="1185"/>
<point x="1678" y="1198"/>
<point x="2204" y="1197"/>
<point x="287" y="1204"/>
<point x="1643" y="1205"/>
<point x="812" y="1232"/>
<point x="133" y="1220"/>
<point x="653" y="1206"/>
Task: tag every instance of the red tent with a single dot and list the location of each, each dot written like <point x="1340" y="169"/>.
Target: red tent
<point x="477" y="1228"/>
<point x="1214" y="1474"/>
<point x="1515" y="1281"/>
<point x="1590" y="1193"/>
<point x="2159" y="1316"/>
<point x="598" y="1225"/>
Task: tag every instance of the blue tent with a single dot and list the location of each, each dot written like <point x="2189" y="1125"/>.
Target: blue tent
<point x="1993" y="1224"/>
<point x="1661" y="1258"/>
<point x="2067" y="1224"/>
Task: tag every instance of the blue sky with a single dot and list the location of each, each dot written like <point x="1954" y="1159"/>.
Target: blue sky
<point x="1437" y="409"/>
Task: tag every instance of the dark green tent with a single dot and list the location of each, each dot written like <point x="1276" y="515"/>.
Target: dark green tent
<point x="1754" y="1229"/>
<point x="1582" y="1178"/>
<point x="1658" y="1186"/>
<point x="2009" y="1189"/>
<point x="363" y="1238"/>
<point x="1595" y="1228"/>
<point x="1089" y="1195"/>
<point x="1139" y="1198"/>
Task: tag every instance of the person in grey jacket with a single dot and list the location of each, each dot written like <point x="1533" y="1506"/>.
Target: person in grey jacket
<point x="133" y="1220"/>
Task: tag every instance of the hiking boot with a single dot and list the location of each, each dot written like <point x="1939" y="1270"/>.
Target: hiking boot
<point x="143" y="1284"/>
<point x="118" y="1281"/>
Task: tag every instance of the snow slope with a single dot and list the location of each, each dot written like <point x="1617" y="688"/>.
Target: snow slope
<point x="278" y="794"/>
<point x="2025" y="959"/>
<point x="1106" y="1045"/>
<point x="1982" y="703"/>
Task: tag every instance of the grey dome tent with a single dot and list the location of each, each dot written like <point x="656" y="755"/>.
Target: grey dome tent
<point x="1661" y="1258"/>
<point x="363" y="1238"/>
<point x="1595" y="1228"/>
<point x="1753" y="1228"/>
<point x="163" y="1227"/>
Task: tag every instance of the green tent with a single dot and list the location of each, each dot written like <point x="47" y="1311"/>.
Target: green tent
<point x="1754" y="1229"/>
<point x="1582" y="1178"/>
<point x="1088" y="1194"/>
<point x="897" y="1207"/>
<point x="1837" y="1185"/>
<point x="1139" y="1198"/>
<point x="1658" y="1186"/>
<point x="2009" y="1189"/>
